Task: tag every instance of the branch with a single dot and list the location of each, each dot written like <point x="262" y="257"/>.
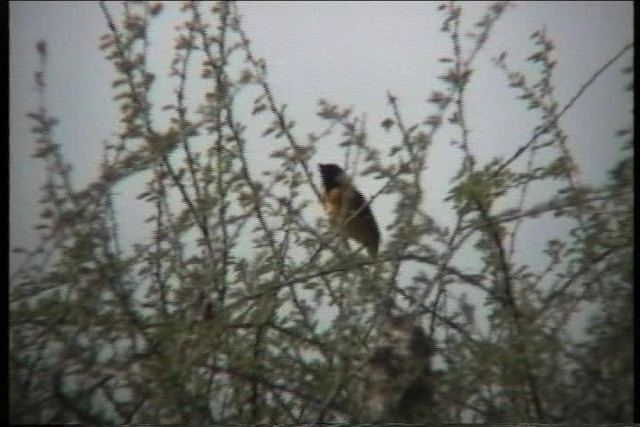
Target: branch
<point x="573" y="100"/>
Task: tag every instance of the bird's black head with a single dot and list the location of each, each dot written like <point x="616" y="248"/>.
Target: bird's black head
<point x="331" y="175"/>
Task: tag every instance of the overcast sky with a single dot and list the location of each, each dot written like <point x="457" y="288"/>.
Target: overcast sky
<point x="350" y="53"/>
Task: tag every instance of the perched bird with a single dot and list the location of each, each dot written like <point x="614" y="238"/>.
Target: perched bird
<point x="347" y="208"/>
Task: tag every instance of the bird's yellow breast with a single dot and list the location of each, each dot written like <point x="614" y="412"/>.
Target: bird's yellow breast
<point x="340" y="204"/>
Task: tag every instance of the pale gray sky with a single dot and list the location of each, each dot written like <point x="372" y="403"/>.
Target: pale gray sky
<point x="347" y="52"/>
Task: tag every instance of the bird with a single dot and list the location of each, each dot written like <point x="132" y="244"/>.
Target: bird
<point x="347" y="208"/>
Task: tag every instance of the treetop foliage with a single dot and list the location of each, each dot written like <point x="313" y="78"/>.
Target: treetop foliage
<point x="244" y="306"/>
